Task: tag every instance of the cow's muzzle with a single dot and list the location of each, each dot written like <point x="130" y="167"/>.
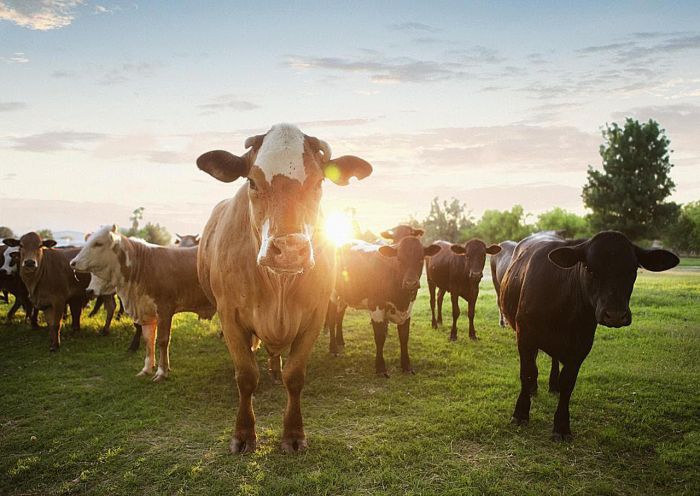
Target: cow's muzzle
<point x="615" y="318"/>
<point x="29" y="264"/>
<point x="291" y="253"/>
<point x="411" y="284"/>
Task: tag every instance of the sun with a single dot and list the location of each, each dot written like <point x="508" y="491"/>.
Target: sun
<point x="338" y="228"/>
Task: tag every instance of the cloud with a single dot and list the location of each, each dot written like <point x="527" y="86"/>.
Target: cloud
<point x="476" y="55"/>
<point x="15" y="58"/>
<point x="646" y="46"/>
<point x="63" y="74"/>
<point x="127" y="72"/>
<point x="414" y="27"/>
<point x="227" y="102"/>
<point x="12" y="106"/>
<point x="53" y="141"/>
<point x="41" y="15"/>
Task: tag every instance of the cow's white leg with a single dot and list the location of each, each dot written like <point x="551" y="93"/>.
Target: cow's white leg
<point x="164" y="325"/>
<point x="149" y="336"/>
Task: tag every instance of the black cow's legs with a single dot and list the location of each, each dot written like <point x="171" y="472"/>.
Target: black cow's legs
<point x="554" y="377"/>
<point x="431" y="292"/>
<point x="528" y="375"/>
<point x="380" y="330"/>
<point x="403" y="341"/>
<point x="470" y="313"/>
<point x="567" y="381"/>
<point x="455" y="315"/>
<point x="440" y="298"/>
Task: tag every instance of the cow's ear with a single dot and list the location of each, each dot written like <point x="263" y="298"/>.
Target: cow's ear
<point x="222" y="165"/>
<point x="11" y="242"/>
<point x="493" y="249"/>
<point x="656" y="260"/>
<point x="341" y="169"/>
<point x="431" y="250"/>
<point x="458" y="249"/>
<point x="418" y="232"/>
<point x="387" y="234"/>
<point x="388" y="251"/>
<point x="566" y="256"/>
<point x="48" y="243"/>
<point x="177" y="241"/>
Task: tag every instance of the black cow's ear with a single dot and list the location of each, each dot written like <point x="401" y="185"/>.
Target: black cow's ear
<point x="493" y="249"/>
<point x="565" y="257"/>
<point x="418" y="232"/>
<point x="388" y="251"/>
<point x="458" y="249"/>
<point x="341" y="169"/>
<point x="48" y="243"/>
<point x="387" y="234"/>
<point x="431" y="250"/>
<point x="222" y="165"/>
<point x="11" y="242"/>
<point x="656" y="260"/>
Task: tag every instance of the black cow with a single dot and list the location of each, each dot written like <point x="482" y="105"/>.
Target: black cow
<point x="554" y="294"/>
<point x="499" y="264"/>
<point x="11" y="282"/>
<point x="457" y="269"/>
<point x="399" y="232"/>
<point x="385" y="281"/>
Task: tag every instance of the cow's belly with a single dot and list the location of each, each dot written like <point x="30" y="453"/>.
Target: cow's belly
<point x="390" y="313"/>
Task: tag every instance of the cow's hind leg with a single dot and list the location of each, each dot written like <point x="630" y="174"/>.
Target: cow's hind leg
<point x="13" y="310"/>
<point x="331" y="316"/>
<point x="471" y="309"/>
<point x="403" y="341"/>
<point x="554" y="377"/>
<point x="136" y="339"/>
<point x="528" y="375"/>
<point x="567" y="381"/>
<point x="339" y="326"/>
<point x="54" y="319"/>
<point x="165" y="322"/>
<point x="110" y="306"/>
<point x="455" y="315"/>
<point x="76" y="309"/>
<point x="149" y="337"/>
<point x="431" y="291"/>
<point x="99" y="301"/>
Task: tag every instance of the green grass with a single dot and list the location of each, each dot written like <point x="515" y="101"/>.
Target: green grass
<point x="690" y="262"/>
<point x="80" y="421"/>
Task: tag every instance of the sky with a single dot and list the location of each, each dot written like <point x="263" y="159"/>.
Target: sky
<point x="105" y="105"/>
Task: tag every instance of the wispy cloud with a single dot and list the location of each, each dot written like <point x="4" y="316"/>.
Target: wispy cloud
<point x="227" y="102"/>
<point x="41" y="15"/>
<point x="127" y="72"/>
<point x="53" y="141"/>
<point x="414" y="27"/>
<point x="15" y="58"/>
<point x="12" y="106"/>
<point x="646" y="46"/>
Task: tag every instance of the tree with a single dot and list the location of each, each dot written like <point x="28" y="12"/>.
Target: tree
<point x="496" y="226"/>
<point x="684" y="234"/>
<point x="6" y="232"/>
<point x="155" y="233"/>
<point x="136" y="218"/>
<point x="567" y="223"/>
<point x="628" y="194"/>
<point x="446" y="221"/>
<point x="45" y="233"/>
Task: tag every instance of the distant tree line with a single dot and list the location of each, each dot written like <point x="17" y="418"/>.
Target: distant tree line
<point x="152" y="233"/>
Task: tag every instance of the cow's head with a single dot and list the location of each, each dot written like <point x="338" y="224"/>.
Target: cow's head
<point x="410" y="254"/>
<point x="10" y="263"/>
<point x="31" y="250"/>
<point x="399" y="232"/>
<point x="610" y="261"/>
<point x="285" y="170"/>
<point x="100" y="253"/>
<point x="475" y="252"/>
<point x="186" y="240"/>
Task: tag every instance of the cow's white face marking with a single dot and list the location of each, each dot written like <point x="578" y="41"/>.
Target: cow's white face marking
<point x="265" y="240"/>
<point x="282" y="153"/>
<point x="7" y="268"/>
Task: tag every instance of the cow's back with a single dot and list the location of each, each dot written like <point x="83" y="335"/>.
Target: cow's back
<point x="364" y="274"/>
<point x="500" y="261"/>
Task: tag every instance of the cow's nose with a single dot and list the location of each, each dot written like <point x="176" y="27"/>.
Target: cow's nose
<point x="411" y="285"/>
<point x="288" y="253"/>
<point x="616" y="318"/>
<point x="30" y="264"/>
<point x="476" y="275"/>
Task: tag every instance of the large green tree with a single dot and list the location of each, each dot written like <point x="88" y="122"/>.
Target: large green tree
<point x="629" y="193"/>
<point x="496" y="226"/>
<point x="446" y="221"/>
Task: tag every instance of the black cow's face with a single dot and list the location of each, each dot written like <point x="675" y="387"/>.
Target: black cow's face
<point x="399" y="232"/>
<point x="410" y="254"/>
<point x="610" y="261"/>
<point x="285" y="170"/>
<point x="31" y="250"/>
<point x="475" y="252"/>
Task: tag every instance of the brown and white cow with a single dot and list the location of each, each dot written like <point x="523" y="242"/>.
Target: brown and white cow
<point x="457" y="269"/>
<point x="51" y="282"/>
<point x="264" y="261"/>
<point x="187" y="240"/>
<point x="385" y="281"/>
<point x="154" y="282"/>
<point x="11" y="282"/>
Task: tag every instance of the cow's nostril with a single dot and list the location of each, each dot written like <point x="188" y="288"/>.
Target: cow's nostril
<point x="274" y="249"/>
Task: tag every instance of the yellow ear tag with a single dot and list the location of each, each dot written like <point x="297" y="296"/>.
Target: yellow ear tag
<point x="332" y="172"/>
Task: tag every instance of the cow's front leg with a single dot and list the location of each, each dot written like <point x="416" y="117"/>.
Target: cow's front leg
<point x="440" y="299"/>
<point x="528" y="374"/>
<point x="471" y="310"/>
<point x="403" y="341"/>
<point x="339" y="326"/>
<point x="380" y="326"/>
<point x="455" y="315"/>
<point x="239" y="343"/>
<point x="149" y="338"/>
<point x="110" y="306"/>
<point x="431" y="292"/>
<point x="54" y="319"/>
<point x="293" y="375"/>
<point x="165" y="321"/>
<point x="567" y="381"/>
<point x="554" y="377"/>
<point x="136" y="339"/>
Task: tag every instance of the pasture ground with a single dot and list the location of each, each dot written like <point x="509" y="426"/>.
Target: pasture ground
<point x="79" y="421"/>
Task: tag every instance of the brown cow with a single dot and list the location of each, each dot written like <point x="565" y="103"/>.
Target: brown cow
<point x="396" y="234"/>
<point x="154" y="282"/>
<point x="499" y="264"/>
<point x="457" y="269"/>
<point x="51" y="282"/>
<point x="264" y="261"/>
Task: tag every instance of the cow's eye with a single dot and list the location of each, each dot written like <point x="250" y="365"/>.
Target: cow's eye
<point x="97" y="245"/>
<point x="252" y="185"/>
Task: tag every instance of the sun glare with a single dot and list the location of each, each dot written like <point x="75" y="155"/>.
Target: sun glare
<point x="338" y="228"/>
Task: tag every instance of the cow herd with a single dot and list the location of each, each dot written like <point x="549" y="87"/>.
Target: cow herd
<point x="266" y="267"/>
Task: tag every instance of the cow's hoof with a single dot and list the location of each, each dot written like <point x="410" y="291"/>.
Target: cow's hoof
<point x="473" y="337"/>
<point x="554" y="391"/>
<point x="104" y="333"/>
<point x="383" y="373"/>
<point x="558" y="437"/>
<point x="409" y="371"/>
<point x="160" y="376"/>
<point x="239" y="447"/>
<point x="453" y="338"/>
<point x="53" y="349"/>
<point x="276" y="378"/>
<point x="434" y="325"/>
<point x="533" y="391"/>
<point x="144" y="373"/>
<point x="292" y="446"/>
<point x="518" y="421"/>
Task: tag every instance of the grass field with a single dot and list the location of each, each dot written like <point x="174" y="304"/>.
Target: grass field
<point x="80" y="421"/>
